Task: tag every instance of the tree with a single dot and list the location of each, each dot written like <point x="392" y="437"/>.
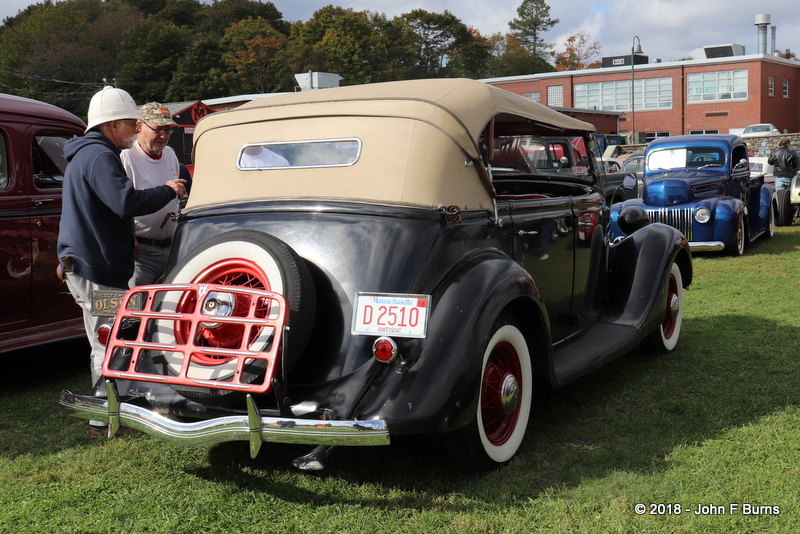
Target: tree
<point x="578" y="53"/>
<point x="149" y="55"/>
<point x="252" y="49"/>
<point x="199" y="73"/>
<point x="60" y="53"/>
<point x="509" y="58"/>
<point x="534" y="20"/>
<point x="357" y="45"/>
<point x="470" y="59"/>
<point x="435" y="38"/>
<point x="221" y="14"/>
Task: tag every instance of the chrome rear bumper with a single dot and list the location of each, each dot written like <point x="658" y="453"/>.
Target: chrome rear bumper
<point x="251" y="427"/>
<point x="706" y="246"/>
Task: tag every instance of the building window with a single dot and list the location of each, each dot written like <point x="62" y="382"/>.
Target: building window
<point x="616" y="96"/>
<point x="655" y="135"/>
<point x="785" y="88"/>
<point x="536" y="97"/>
<point x="555" y="96"/>
<point x="721" y="85"/>
<point x="771" y="86"/>
<point x="698" y="132"/>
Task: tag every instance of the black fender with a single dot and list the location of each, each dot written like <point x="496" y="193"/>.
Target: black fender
<point x="638" y="270"/>
<point x="438" y="389"/>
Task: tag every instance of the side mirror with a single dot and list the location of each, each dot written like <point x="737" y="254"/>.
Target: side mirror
<point x="629" y="182"/>
<point x="742" y="163"/>
<point x="563" y="161"/>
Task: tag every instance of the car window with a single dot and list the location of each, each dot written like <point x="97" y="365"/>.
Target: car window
<point x="630" y="165"/>
<point x="4" y="178"/>
<point x="534" y="155"/>
<point x="299" y="154"/>
<point x="681" y="157"/>
<point x="49" y="162"/>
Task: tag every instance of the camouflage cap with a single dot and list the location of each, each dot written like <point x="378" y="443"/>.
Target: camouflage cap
<point x="157" y="114"/>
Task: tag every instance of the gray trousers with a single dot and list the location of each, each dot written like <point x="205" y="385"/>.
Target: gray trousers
<point x="151" y="262"/>
<point x="81" y="290"/>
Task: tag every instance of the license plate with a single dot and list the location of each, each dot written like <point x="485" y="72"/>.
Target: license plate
<point x="385" y="314"/>
<point x="106" y="303"/>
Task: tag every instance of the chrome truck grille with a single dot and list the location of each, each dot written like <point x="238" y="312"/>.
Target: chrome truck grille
<point x="680" y="218"/>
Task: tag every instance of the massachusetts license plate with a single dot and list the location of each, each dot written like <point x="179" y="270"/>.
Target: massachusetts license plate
<point x="386" y="314"/>
<point x="106" y="303"/>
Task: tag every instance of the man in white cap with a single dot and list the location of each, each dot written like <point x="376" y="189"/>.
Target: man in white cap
<point x="96" y="238"/>
<point x="151" y="162"/>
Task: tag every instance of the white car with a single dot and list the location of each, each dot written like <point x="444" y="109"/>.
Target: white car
<point x="758" y="130"/>
<point x="759" y="166"/>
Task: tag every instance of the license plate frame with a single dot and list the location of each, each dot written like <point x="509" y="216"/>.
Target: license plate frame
<point x="390" y="314"/>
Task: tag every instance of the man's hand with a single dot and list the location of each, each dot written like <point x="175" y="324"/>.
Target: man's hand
<point x="178" y="187"/>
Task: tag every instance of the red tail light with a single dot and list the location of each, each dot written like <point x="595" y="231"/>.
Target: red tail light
<point x="103" y="333"/>
<point x="384" y="349"/>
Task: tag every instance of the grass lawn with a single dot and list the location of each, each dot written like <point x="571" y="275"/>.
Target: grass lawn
<point x="713" y="427"/>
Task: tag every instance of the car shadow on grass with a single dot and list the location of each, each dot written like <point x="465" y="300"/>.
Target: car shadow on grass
<point x="728" y="371"/>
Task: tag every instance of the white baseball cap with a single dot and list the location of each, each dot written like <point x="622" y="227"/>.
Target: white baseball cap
<point x="111" y="104"/>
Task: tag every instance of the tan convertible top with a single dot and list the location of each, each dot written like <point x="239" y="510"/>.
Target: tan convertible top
<point x="419" y="142"/>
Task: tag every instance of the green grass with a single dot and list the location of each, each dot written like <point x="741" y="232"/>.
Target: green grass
<point x="716" y="422"/>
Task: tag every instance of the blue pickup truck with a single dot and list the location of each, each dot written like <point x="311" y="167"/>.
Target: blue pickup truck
<point x="701" y="185"/>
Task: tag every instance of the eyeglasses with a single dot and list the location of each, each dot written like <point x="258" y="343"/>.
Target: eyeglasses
<point x="129" y="123"/>
<point x="165" y="130"/>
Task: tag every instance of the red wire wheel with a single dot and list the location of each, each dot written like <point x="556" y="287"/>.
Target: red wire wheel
<point x="244" y="258"/>
<point x="232" y="272"/>
<point x="500" y="392"/>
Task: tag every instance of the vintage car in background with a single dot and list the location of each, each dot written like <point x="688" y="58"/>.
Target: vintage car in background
<point x="760" y="130"/>
<point x="39" y="308"/>
<point x="624" y="182"/>
<point x="701" y="185"/>
<point x="381" y="260"/>
<point x="760" y="166"/>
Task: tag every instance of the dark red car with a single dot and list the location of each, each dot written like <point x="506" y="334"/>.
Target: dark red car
<point x="38" y="309"/>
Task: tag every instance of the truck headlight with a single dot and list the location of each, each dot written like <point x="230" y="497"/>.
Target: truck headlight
<point x="702" y="215"/>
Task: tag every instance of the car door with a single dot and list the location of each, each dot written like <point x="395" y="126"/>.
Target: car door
<point x="50" y="301"/>
<point x="16" y="254"/>
<point x="544" y="230"/>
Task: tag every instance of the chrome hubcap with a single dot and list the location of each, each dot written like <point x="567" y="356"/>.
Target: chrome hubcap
<point x="509" y="393"/>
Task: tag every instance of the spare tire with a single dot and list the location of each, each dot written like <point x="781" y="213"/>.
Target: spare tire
<point x="254" y="259"/>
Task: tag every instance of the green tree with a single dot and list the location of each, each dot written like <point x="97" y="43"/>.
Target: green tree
<point x="470" y="60"/>
<point x="181" y="12"/>
<point x="354" y="44"/>
<point x="221" y="14"/>
<point x="150" y="54"/>
<point x="509" y="58"/>
<point x="534" y="20"/>
<point x="199" y="73"/>
<point x="436" y="38"/>
<point x="60" y="53"/>
<point x="253" y="57"/>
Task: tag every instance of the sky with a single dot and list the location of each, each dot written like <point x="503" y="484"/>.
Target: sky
<point x="667" y="29"/>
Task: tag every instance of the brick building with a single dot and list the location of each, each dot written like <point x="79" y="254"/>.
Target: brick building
<point x="718" y="95"/>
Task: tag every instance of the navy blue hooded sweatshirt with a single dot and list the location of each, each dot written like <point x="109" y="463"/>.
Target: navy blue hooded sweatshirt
<point x="99" y="204"/>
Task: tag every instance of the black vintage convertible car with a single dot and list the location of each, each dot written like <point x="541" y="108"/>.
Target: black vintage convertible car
<point x="390" y="259"/>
